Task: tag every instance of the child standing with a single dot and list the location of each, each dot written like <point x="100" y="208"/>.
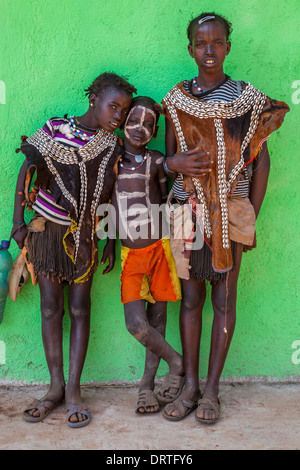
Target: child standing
<point x="74" y="159"/>
<point x="149" y="276"/>
<point x="218" y="126"/>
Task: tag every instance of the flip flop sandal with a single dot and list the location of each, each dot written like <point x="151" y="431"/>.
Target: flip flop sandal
<point x="183" y="406"/>
<point x="171" y="381"/>
<point x="72" y="409"/>
<point x="44" y="407"/>
<point x="146" y="399"/>
<point x="207" y="404"/>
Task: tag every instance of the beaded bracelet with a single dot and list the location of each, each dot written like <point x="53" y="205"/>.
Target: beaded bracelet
<point x="167" y="169"/>
<point x="22" y="222"/>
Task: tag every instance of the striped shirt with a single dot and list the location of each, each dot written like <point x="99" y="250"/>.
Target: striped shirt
<point x="228" y="91"/>
<point x="61" y="131"/>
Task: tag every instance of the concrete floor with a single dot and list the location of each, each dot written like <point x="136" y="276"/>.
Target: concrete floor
<point x="262" y="416"/>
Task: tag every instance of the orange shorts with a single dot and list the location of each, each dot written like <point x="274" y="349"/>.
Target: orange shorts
<point x="149" y="273"/>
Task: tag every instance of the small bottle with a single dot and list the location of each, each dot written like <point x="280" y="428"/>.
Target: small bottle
<point x="6" y="263"/>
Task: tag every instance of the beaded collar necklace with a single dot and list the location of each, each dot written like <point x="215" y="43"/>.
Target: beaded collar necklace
<point x="78" y="132"/>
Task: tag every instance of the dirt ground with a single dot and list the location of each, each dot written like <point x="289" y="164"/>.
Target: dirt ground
<point x="254" y="416"/>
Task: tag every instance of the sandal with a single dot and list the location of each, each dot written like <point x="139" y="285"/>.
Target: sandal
<point x="183" y="406"/>
<point x="147" y="398"/>
<point x="207" y="404"/>
<point x="44" y="407"/>
<point x="72" y="409"/>
<point x="171" y="381"/>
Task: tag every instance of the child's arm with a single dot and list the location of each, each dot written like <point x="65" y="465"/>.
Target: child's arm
<point x="109" y="251"/>
<point x="192" y="163"/>
<point x="163" y="184"/>
<point x="260" y="175"/>
<point x="19" y="230"/>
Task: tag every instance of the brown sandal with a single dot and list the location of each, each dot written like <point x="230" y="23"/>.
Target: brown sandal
<point x="44" y="407"/>
<point x="207" y="404"/>
<point x="147" y="398"/>
<point x="171" y="381"/>
<point x="184" y="407"/>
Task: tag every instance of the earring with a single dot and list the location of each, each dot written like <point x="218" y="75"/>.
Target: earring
<point x="91" y="105"/>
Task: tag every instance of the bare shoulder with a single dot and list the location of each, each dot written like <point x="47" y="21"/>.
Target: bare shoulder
<point x="156" y="157"/>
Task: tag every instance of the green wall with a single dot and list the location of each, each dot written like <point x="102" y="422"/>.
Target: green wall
<point x="50" y="51"/>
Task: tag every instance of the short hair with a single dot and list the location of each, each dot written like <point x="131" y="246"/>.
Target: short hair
<point x="109" y="80"/>
<point x="149" y="103"/>
<point x="227" y="26"/>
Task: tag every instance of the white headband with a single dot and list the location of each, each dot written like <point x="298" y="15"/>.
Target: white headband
<point x="206" y="18"/>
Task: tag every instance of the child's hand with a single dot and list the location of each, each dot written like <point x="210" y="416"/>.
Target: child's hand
<point x="109" y="252"/>
<point x="192" y="163"/>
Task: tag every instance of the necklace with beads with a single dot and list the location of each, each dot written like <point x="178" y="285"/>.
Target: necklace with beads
<point x="78" y="133"/>
<point x="138" y="158"/>
<point x="196" y="86"/>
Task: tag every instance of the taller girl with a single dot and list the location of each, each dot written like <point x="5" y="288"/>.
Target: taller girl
<point x="216" y="130"/>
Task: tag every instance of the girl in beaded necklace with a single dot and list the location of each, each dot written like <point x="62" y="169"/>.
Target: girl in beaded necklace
<point x="74" y="159"/>
<point x="215" y="127"/>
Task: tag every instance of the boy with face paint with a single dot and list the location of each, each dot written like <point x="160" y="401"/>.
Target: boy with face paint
<point x="149" y="278"/>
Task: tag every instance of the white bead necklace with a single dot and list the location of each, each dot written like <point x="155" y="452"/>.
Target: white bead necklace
<point x="141" y="159"/>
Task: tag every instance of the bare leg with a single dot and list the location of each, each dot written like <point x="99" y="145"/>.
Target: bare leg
<point x="222" y="293"/>
<point x="157" y="316"/>
<point x="139" y="326"/>
<point x="52" y="303"/>
<point x="193" y="298"/>
<point x="80" y="309"/>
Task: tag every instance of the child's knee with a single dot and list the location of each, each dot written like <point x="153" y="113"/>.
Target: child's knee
<point x="137" y="327"/>
<point x="194" y="302"/>
<point x="51" y="308"/>
<point x="223" y="304"/>
<point x="79" y="310"/>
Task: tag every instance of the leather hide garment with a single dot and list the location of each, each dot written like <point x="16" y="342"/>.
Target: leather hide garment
<point x="79" y="180"/>
<point x="232" y="133"/>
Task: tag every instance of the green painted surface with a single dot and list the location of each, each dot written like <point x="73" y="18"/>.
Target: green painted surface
<point x="50" y="51"/>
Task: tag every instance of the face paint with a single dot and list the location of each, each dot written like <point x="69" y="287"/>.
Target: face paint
<point x="140" y="125"/>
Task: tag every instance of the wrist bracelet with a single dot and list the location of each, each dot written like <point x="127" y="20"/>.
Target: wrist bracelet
<point x="167" y="169"/>
<point x="22" y="222"/>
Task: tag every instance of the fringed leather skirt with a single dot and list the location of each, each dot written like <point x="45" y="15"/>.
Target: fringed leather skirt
<point x="46" y="251"/>
<point x="201" y="264"/>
